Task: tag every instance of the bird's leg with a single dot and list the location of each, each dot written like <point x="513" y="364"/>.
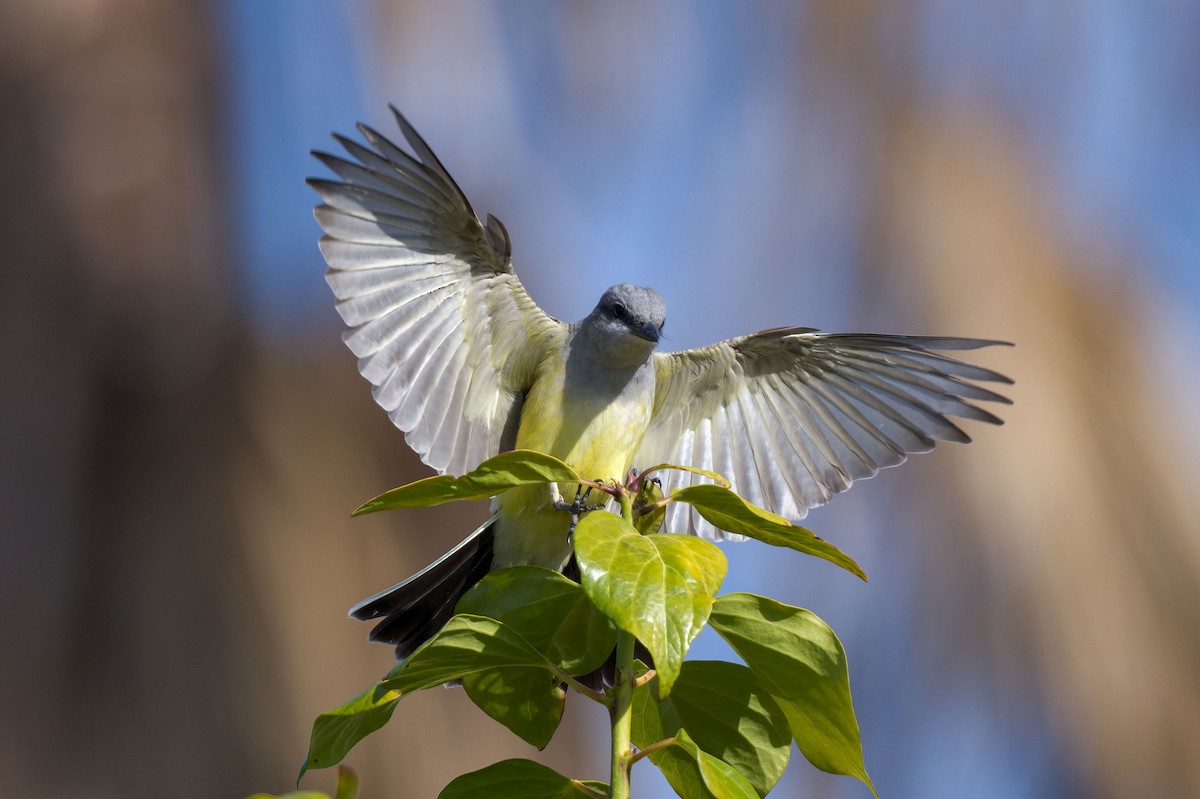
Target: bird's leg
<point x="577" y="507"/>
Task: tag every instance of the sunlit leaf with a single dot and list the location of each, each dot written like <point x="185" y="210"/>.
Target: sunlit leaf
<point x="553" y="614"/>
<point x="655" y="721"/>
<point x="727" y="511"/>
<point x="500" y="473"/>
<point x="720" y="780"/>
<point x="727" y="713"/>
<point x="651" y="492"/>
<point x="797" y="657"/>
<point x="717" y="478"/>
<point x="466" y="645"/>
<point x="336" y="731"/>
<point x="518" y="779"/>
<point x="660" y="588"/>
<point x="550" y="611"/>
<point x="688" y="772"/>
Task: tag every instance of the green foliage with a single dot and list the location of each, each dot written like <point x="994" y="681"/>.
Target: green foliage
<point x="528" y="701"/>
<point x="801" y="662"/>
<point x="335" y="732"/>
<point x="554" y="615"/>
<point x="466" y="645"/>
<point x="648" y="513"/>
<point x="716" y="778"/>
<point x="660" y="588"/>
<point x="524" y="637"/>
<point x="519" y="779"/>
<point x="507" y="470"/>
<point x="729" y="512"/>
<point x="549" y="611"/>
<point x="728" y="715"/>
<point x="347" y="788"/>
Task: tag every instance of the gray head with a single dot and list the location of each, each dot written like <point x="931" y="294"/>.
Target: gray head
<point x="626" y="309"/>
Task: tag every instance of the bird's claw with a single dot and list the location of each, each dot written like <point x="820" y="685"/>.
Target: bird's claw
<point x="577" y="507"/>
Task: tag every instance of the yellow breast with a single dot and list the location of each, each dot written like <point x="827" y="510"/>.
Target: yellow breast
<point x="596" y="432"/>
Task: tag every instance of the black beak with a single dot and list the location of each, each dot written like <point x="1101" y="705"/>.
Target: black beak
<point x="648" y="331"/>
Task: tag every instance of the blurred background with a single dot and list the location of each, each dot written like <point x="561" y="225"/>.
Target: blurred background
<point x="183" y="436"/>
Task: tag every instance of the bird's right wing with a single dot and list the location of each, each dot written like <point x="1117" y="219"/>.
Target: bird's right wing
<point x="793" y="416"/>
<point x="442" y="327"/>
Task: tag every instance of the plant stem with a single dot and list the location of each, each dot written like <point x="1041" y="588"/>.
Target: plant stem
<point x="654" y="747"/>
<point x="626" y="500"/>
<point x="622" y="718"/>
<point x="645" y="678"/>
<point x="593" y="695"/>
<point x="622" y="697"/>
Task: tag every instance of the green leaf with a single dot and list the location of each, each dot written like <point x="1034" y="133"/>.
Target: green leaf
<point x="660" y="588"/>
<point x="549" y="611"/>
<point x="655" y="721"/>
<point x="718" y="778"/>
<point x="797" y="657"/>
<point x="500" y="473"/>
<point x="650" y="493"/>
<point x="466" y="645"/>
<point x="347" y="788"/>
<point x="553" y="614"/>
<point x="692" y="772"/>
<point x="335" y="732"/>
<point x="727" y="511"/>
<point x="652" y="720"/>
<point x="347" y="784"/>
<point x="529" y="701"/>
<point x="718" y="478"/>
<point x="727" y="713"/>
<point x="519" y="779"/>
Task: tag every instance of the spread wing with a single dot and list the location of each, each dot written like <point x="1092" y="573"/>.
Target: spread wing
<point x="442" y="328"/>
<point x="792" y="416"/>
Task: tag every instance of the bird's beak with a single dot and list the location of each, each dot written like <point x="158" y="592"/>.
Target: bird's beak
<point x="648" y="331"/>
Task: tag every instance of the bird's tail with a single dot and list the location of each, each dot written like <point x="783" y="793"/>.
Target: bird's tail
<point x="417" y="608"/>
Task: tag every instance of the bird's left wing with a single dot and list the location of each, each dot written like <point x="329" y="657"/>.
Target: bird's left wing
<point x="792" y="416"/>
<point x="442" y="327"/>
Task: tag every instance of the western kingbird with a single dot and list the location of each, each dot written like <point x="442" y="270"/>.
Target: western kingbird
<point x="467" y="365"/>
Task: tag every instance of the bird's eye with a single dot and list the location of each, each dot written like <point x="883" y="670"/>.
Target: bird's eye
<point x="619" y="311"/>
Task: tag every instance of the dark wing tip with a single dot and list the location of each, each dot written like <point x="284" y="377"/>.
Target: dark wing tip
<point x="497" y="237"/>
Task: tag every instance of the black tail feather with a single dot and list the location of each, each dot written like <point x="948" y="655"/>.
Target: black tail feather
<point x="417" y="608"/>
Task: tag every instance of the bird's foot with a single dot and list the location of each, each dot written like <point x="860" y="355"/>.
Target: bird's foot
<point x="579" y="505"/>
<point x="576" y="507"/>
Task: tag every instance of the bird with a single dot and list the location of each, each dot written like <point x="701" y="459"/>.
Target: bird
<point x="467" y="365"/>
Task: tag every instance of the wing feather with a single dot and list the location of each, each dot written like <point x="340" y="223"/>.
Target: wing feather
<point x="444" y="331"/>
<point x="794" y="416"/>
<point x="807" y="464"/>
<point x="909" y="414"/>
<point x="387" y="315"/>
<point x="386" y="348"/>
<point x="777" y="462"/>
<point x="425" y="368"/>
<point x="832" y="459"/>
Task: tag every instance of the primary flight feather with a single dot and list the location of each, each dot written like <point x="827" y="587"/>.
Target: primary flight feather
<point x="467" y="365"/>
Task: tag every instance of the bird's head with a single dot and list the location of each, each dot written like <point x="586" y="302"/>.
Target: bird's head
<point x="626" y="309"/>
